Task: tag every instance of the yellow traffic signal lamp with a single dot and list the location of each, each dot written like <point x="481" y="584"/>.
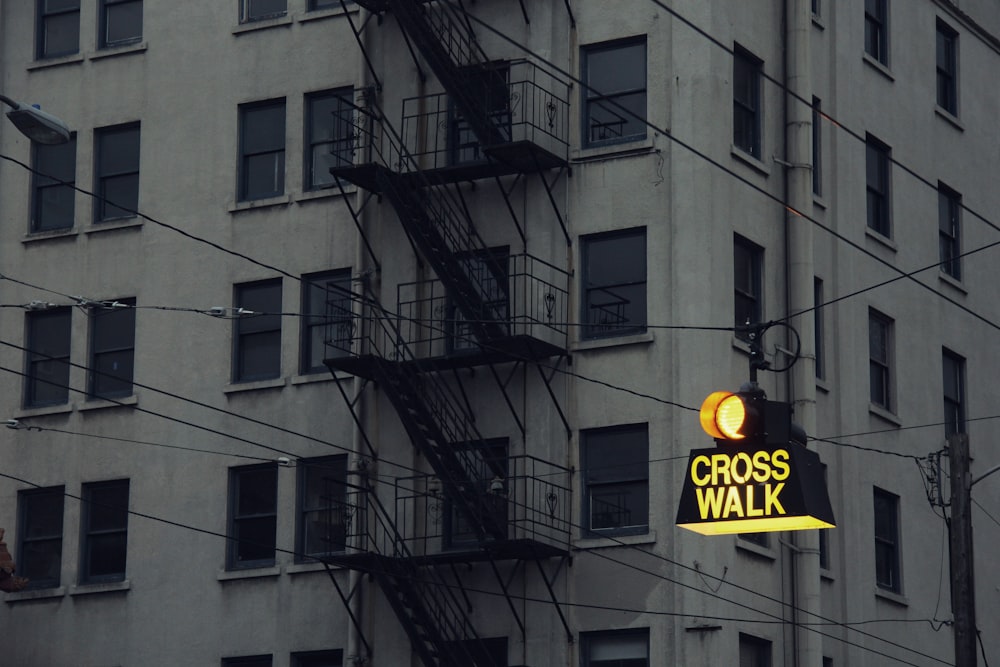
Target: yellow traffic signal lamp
<point x="734" y="417"/>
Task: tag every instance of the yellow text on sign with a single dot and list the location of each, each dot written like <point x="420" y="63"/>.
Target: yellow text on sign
<point x="740" y="485"/>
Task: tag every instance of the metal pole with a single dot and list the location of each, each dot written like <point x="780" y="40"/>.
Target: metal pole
<point x="963" y="597"/>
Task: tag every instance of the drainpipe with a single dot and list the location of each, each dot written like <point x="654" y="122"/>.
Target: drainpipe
<point x="800" y="274"/>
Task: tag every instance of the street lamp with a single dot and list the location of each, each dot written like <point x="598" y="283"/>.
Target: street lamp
<point x="35" y="123"/>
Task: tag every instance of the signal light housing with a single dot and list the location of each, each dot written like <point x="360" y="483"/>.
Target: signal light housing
<point x="734" y="417"/>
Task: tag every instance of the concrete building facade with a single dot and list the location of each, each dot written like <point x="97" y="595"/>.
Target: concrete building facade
<point x="374" y="333"/>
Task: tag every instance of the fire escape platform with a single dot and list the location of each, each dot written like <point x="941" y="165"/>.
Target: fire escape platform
<point x="499" y="350"/>
<point x="505" y="550"/>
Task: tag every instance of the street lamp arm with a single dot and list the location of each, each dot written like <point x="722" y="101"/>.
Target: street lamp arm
<point x="985" y="474"/>
<point x="36" y="124"/>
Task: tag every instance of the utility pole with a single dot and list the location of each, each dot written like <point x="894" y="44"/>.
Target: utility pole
<point x="963" y="598"/>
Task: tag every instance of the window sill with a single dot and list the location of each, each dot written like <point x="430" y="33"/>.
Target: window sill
<point x="105" y="587"/>
<point x="881" y="239"/>
<point x="948" y="116"/>
<point x="884" y="414"/>
<point x="39" y="594"/>
<point x="115" y="51"/>
<point x="758" y="551"/>
<point x="114" y="225"/>
<point x="313" y="378"/>
<point x="319" y="14"/>
<point x="249" y="573"/>
<point x="103" y="403"/>
<point x="952" y="282"/>
<point x="587" y="543"/>
<point x="891" y="596"/>
<point x="325" y="193"/>
<point x="624" y="149"/>
<point x="820" y="202"/>
<point x="50" y="235"/>
<point x="817" y="21"/>
<point x="827" y="575"/>
<point x="61" y="409"/>
<point x="58" y="61"/>
<point x="239" y="387"/>
<point x="644" y="338"/>
<point x="879" y="67"/>
<point x="757" y="165"/>
<point x="823" y="385"/>
<point x="263" y="24"/>
<point x="302" y="568"/>
<point x="254" y="204"/>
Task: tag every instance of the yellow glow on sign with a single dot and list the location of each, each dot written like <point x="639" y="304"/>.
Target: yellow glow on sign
<point x="757" y="525"/>
<point x="722" y="415"/>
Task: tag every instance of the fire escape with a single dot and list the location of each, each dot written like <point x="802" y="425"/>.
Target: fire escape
<point x="486" y="308"/>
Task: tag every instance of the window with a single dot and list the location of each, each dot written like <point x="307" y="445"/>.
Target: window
<point x="815" y="6"/>
<point x="323" y="4"/>
<point x="614" y="283"/>
<point x="112" y="349"/>
<point x="48" y="342"/>
<point x="327" y="325"/>
<point x="488" y="271"/>
<point x="248" y="661"/>
<point x="954" y="393"/>
<point x="877" y="184"/>
<point x="947" y="68"/>
<point x="105" y="531"/>
<point x="615" y="648"/>
<point x="258" y="10"/>
<point x="754" y="651"/>
<point x="887" y="571"/>
<point x="614" y="92"/>
<point x="817" y="143"/>
<point x="760" y="539"/>
<point x="332" y="658"/>
<point x="877" y="30"/>
<point x="488" y="460"/>
<point x="39" y="536"/>
<point x="58" y="28"/>
<point x="52" y="204"/>
<point x="323" y="509"/>
<point x="880" y="359"/>
<point x="329" y="126"/>
<point x="121" y="22"/>
<point x="116" y="172"/>
<point x="824" y="533"/>
<point x="490" y="85"/>
<point x="253" y="516"/>
<point x="748" y="267"/>
<point x="747" y="70"/>
<point x="818" y="326"/>
<point x="483" y="652"/>
<point x="262" y="150"/>
<point x="949" y="231"/>
<point x="257" y="339"/>
<point x="616" y="479"/>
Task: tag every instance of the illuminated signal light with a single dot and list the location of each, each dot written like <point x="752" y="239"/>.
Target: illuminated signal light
<point x="728" y="416"/>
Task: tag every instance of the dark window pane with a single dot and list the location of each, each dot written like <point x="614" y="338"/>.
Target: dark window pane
<point x="326" y="327"/>
<point x="615" y="92"/>
<point x="258" y="490"/>
<point x="122" y="195"/>
<point x="322" y="502"/>
<point x="256" y="538"/>
<point x="48" y="343"/>
<point x="615" y="283"/>
<point x="616" y="477"/>
<point x="122" y="22"/>
<point x="259" y="9"/>
<point x="45" y="513"/>
<point x="257" y="348"/>
<point x="61" y="34"/>
<point x="253" y="516"/>
<point x="264" y="128"/>
<point x="39" y="547"/>
<point x="119" y="150"/>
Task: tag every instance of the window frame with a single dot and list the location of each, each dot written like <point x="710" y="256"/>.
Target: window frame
<point x="246" y="16"/>
<point x="303" y="509"/>
<point x="107" y="8"/>
<point x="590" y="97"/>
<point x="97" y="317"/>
<point x="339" y="138"/>
<point x="263" y="660"/>
<point x="89" y="534"/>
<point x="889" y="541"/>
<point x="817" y="148"/>
<point x="103" y="175"/>
<point x="236" y="517"/>
<point x="24" y="541"/>
<point x="589" y="640"/>
<point x="819" y="343"/>
<point x="878" y="186"/>
<point x="588" y="482"/>
<point x="490" y="454"/>
<point x="34" y="358"/>
<point x="319" y="5"/>
<point x="592" y="330"/>
<point x="750" y="292"/>
<point x="43" y="16"/>
<point x="953" y="368"/>
<point x="946" y="67"/>
<point x="877" y="30"/>
<point x="881" y="365"/>
<point x="243" y="331"/>
<point x="311" y="322"/>
<point x="332" y="657"/>
<point x="763" y="650"/>
<point x="748" y="132"/>
<point x="279" y="154"/>
<point x="950" y="231"/>
<point x="40" y="184"/>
